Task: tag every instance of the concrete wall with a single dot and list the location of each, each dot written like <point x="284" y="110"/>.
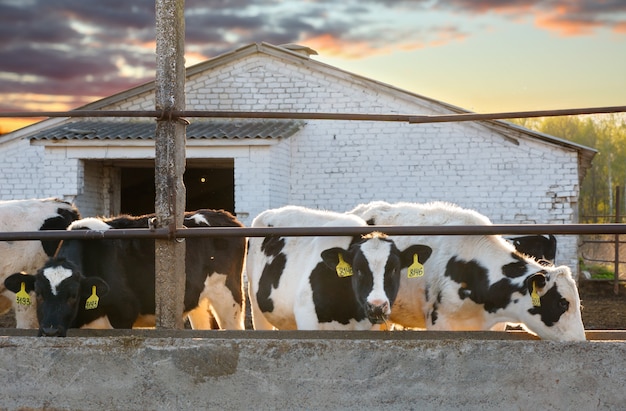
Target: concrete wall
<point x="158" y="370"/>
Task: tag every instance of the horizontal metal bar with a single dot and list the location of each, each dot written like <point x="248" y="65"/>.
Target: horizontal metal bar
<point x="408" y="118"/>
<point x="512" y="229"/>
<point x="601" y="242"/>
<point x="409" y="230"/>
<point x="84" y="234"/>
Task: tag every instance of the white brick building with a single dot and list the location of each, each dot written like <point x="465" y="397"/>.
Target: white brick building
<point x="510" y="174"/>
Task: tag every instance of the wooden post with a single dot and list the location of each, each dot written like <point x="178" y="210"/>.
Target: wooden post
<point x="170" y="161"/>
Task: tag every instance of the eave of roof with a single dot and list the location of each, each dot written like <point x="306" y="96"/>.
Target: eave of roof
<point x="208" y="129"/>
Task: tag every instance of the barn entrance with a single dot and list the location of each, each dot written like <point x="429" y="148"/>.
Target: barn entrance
<point x="209" y="184"/>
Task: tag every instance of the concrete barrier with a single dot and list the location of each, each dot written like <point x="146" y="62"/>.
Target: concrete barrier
<point x="180" y="370"/>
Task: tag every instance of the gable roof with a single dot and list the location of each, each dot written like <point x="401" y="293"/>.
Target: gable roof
<point x="107" y="130"/>
<point x="294" y="55"/>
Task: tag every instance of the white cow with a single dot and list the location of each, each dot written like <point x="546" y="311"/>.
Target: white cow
<point x="476" y="282"/>
<point x="332" y="283"/>
<point x="29" y="215"/>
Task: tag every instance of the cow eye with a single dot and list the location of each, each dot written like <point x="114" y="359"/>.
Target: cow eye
<point x="564" y="304"/>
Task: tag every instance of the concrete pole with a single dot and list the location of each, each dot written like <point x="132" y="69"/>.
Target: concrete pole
<point x="170" y="161"/>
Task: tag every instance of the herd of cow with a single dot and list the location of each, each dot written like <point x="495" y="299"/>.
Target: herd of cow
<point x="460" y="282"/>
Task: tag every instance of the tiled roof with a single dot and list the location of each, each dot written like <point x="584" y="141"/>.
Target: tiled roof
<point x="107" y="130"/>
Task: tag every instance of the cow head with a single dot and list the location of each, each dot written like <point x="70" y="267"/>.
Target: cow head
<point x="537" y="246"/>
<point x="61" y="290"/>
<point x="551" y="305"/>
<point x="374" y="264"/>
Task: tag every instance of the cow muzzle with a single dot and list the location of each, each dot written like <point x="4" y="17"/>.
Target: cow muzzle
<point x="51" y="332"/>
<point x="377" y="312"/>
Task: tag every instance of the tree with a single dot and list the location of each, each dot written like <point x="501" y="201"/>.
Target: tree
<point x="605" y="133"/>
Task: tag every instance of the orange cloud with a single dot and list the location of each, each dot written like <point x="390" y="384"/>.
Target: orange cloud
<point x="568" y="18"/>
<point x="333" y="46"/>
<point x="330" y="45"/>
<point x="620" y="28"/>
<point x="561" y="21"/>
<point x="192" y="58"/>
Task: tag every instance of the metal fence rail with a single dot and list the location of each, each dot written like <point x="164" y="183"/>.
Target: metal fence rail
<point x="512" y="229"/>
<point x="407" y="118"/>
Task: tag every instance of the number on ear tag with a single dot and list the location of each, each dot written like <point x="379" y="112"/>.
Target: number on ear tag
<point x="22" y="297"/>
<point x="343" y="269"/>
<point x="535" y="297"/>
<point x="92" y="301"/>
<point x="416" y="269"/>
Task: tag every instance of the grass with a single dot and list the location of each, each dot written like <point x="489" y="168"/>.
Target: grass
<point x="599" y="271"/>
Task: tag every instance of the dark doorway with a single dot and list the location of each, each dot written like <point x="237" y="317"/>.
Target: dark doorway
<point x="206" y="187"/>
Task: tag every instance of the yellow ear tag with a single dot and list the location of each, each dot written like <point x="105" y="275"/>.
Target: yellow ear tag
<point x="22" y="297"/>
<point x="343" y="269"/>
<point x="535" y="297"/>
<point x="92" y="301"/>
<point x="416" y="269"/>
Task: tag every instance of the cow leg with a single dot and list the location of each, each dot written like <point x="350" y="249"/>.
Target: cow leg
<point x="259" y="322"/>
<point x="228" y="312"/>
<point x="200" y="317"/>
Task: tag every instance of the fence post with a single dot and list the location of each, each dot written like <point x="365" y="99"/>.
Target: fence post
<point x="170" y="161"/>
<point x="617" y="220"/>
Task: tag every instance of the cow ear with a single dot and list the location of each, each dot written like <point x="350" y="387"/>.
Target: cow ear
<point x="86" y="285"/>
<point x="552" y="240"/>
<point x="14" y="282"/>
<point x="536" y="283"/>
<point x="537" y="280"/>
<point x="423" y="253"/>
<point x="334" y="256"/>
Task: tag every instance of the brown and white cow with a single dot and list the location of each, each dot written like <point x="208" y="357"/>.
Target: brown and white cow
<point x="475" y="282"/>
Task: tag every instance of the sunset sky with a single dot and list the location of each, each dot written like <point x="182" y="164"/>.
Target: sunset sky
<point x="483" y="55"/>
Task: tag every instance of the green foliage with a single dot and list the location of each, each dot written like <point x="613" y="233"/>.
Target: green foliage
<point x="597" y="271"/>
<point x="600" y="272"/>
<point x="605" y="133"/>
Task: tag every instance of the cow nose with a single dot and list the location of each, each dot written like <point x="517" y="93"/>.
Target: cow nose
<point x="377" y="311"/>
<point x="49" y="332"/>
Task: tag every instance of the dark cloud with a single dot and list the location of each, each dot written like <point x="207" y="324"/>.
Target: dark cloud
<point x="54" y="64"/>
<point x="95" y="48"/>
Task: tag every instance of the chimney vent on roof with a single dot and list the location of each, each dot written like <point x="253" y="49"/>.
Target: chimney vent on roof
<point x="297" y="48"/>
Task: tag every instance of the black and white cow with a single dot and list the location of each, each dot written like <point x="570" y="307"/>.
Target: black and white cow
<point x="323" y="283"/>
<point x="476" y="282"/>
<point x="29" y="215"/>
<point x="121" y="274"/>
<point x="537" y="246"/>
